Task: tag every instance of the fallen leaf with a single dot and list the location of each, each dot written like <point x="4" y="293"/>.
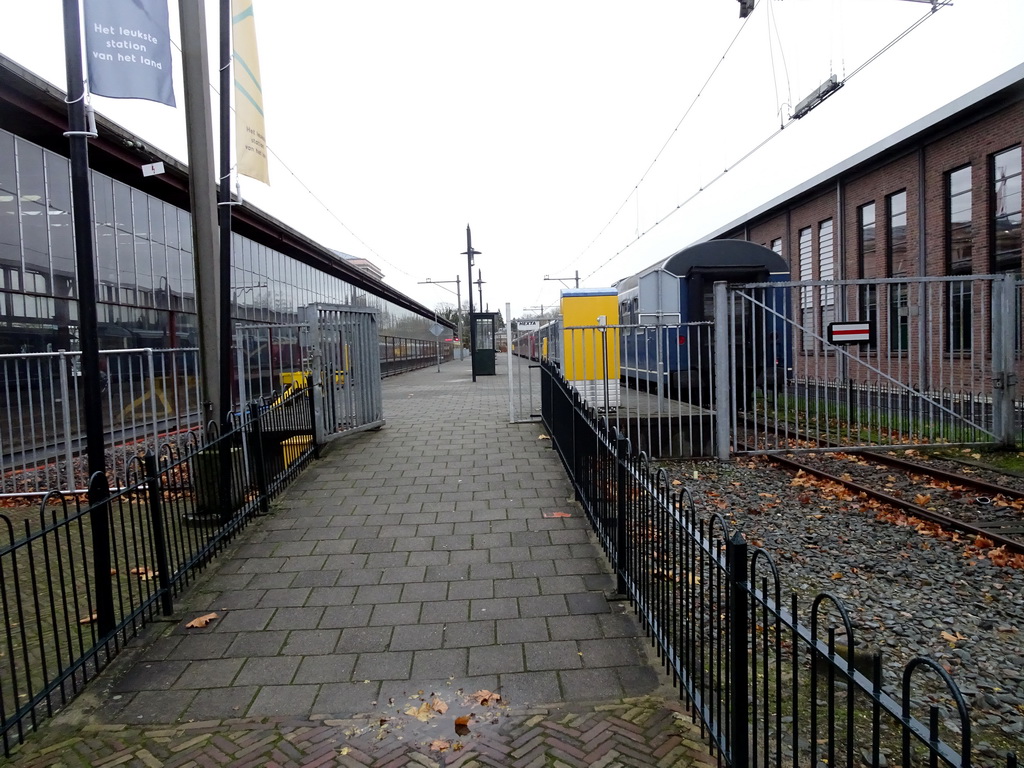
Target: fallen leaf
<point x="201" y="621"/>
<point x="462" y="725"/>
<point x="438" y="706"/>
<point x="88" y="619"/>
<point x="543" y="437"/>
<point x="344" y="750"/>
<point x="439" y="745"/>
<point x="484" y="697"/>
<point x="922" y="498"/>
<point x="422" y="713"/>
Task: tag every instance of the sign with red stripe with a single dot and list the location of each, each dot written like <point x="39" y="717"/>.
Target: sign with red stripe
<point x="851" y="333"/>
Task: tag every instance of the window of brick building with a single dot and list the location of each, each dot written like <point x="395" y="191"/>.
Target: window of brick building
<point x="826" y="271"/>
<point x="1006" y="198"/>
<point x="959" y="252"/>
<point x="896" y="253"/>
<point x="866" y="239"/>
<point x="806" y="293"/>
<point x="867" y="295"/>
<point x="896" y="266"/>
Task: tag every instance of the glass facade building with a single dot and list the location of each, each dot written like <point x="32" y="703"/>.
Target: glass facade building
<point x="146" y="283"/>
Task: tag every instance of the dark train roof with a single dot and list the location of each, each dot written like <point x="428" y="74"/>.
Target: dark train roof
<point x="711" y="255"/>
<point x="716" y="254"/>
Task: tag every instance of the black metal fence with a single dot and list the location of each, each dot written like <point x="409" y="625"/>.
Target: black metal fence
<point x="771" y="681"/>
<point x="80" y="576"/>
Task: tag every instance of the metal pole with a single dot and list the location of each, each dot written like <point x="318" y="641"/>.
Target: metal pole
<point x="224" y="215"/>
<point x="739" y="682"/>
<point x="78" y="138"/>
<point x="472" y="331"/>
<point x="458" y="310"/>
<point x="202" y="194"/>
<point x="95" y="438"/>
<point x="511" y="368"/>
<point x="721" y="363"/>
<point x="480" y="287"/>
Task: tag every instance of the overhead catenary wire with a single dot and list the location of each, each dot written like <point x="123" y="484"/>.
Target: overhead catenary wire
<point x="643" y="176"/>
<point x="938" y="4"/>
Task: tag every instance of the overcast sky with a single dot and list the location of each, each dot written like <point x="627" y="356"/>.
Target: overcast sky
<point x="535" y="121"/>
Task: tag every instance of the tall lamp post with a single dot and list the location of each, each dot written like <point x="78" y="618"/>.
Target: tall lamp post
<point x="458" y="297"/>
<point x="469" y="253"/>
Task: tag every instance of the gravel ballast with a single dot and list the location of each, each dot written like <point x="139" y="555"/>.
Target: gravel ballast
<point x="909" y="594"/>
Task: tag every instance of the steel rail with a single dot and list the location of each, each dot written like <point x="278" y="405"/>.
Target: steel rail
<point x="942" y="474"/>
<point x="1013" y="544"/>
<point x="991" y="489"/>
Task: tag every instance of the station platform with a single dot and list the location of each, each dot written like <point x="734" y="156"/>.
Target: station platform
<point x="424" y="594"/>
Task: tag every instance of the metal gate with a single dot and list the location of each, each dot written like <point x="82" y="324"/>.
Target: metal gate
<point x="346" y="353"/>
<point x="524" y="379"/>
<point x="937" y="361"/>
<point x="336" y="350"/>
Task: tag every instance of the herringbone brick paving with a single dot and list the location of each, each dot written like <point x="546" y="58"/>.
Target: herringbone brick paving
<point x="442" y="554"/>
<point x="643" y="731"/>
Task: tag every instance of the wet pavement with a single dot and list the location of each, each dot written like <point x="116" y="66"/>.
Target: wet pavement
<point x="426" y="594"/>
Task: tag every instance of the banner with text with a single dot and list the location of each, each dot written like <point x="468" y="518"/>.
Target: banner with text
<point x="128" y="49"/>
<point x="250" y="134"/>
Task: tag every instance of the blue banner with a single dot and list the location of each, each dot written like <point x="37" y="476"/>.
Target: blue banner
<point x="128" y="49"/>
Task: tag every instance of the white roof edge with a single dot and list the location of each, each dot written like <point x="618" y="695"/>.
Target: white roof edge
<point x="1007" y="79"/>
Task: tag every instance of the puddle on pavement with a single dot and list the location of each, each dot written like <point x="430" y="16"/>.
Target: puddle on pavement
<point x="438" y="723"/>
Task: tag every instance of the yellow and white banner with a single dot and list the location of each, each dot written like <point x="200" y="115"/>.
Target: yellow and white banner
<point x="250" y="134"/>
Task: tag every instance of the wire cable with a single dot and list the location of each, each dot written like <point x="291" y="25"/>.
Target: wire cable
<point x="661" y="151"/>
<point x="763" y="143"/>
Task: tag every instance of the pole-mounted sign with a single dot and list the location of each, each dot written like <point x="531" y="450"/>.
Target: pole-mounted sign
<point x="128" y="49"/>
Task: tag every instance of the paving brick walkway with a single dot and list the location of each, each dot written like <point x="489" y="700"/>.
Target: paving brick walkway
<point x="407" y="570"/>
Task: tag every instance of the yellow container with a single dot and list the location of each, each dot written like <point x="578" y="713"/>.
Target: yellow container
<point x="294" y="447"/>
<point x="590" y="349"/>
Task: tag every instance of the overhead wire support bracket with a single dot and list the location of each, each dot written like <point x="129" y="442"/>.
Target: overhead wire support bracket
<point x="817" y="96"/>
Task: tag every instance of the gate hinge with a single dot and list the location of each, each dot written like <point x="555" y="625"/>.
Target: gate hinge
<point x="1004" y="380"/>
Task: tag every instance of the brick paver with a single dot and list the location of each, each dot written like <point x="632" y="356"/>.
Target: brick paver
<point x="419" y="563"/>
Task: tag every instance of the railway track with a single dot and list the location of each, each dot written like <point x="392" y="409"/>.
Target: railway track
<point x="955" y="501"/>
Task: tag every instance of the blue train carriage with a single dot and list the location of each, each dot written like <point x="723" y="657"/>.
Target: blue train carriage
<point x="669" y="307"/>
